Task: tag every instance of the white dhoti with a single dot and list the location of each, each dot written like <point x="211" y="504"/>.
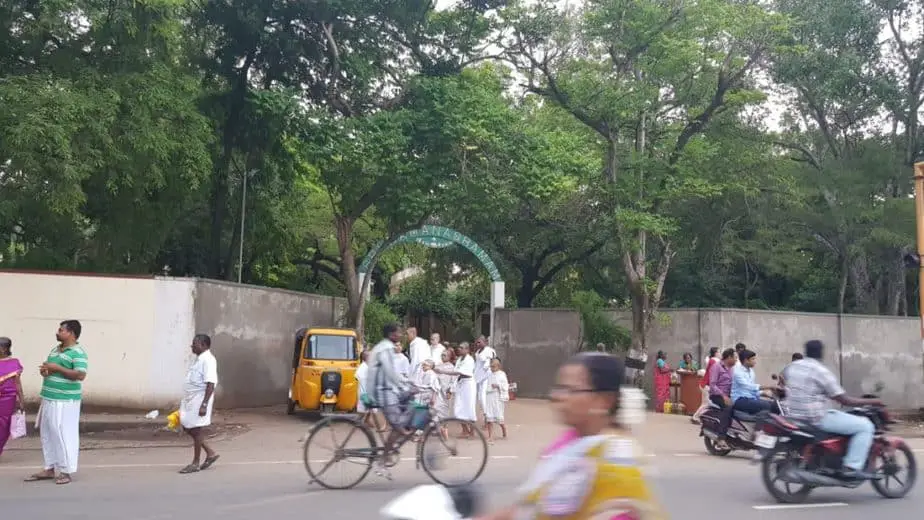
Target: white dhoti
<point x="189" y="411"/>
<point x="464" y="405"/>
<point x="494" y="408"/>
<point x="482" y="390"/>
<point x="59" y="429"/>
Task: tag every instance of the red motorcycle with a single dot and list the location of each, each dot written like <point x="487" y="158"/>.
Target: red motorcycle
<point x="802" y="457"/>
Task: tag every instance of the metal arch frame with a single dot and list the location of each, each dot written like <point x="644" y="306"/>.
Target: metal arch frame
<point x="434" y="237"/>
<point x="437" y="237"/>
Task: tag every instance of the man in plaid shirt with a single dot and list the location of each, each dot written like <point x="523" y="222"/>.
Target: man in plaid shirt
<point x="809" y="388"/>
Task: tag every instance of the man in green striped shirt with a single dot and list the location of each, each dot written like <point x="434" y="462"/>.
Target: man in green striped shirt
<point x="59" y="415"/>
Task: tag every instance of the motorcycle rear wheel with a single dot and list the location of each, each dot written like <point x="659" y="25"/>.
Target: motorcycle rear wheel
<point x="779" y="458"/>
<point x="713" y="449"/>
<point x="881" y="486"/>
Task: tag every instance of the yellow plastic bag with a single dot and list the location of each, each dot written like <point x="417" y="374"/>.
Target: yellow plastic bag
<point x="173" y="421"/>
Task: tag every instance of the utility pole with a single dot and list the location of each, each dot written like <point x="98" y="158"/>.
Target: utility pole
<point x="919" y="221"/>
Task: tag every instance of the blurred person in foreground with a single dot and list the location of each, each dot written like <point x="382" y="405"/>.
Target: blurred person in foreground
<point x="595" y="469"/>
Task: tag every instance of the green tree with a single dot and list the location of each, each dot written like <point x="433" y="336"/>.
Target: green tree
<point x="649" y="78"/>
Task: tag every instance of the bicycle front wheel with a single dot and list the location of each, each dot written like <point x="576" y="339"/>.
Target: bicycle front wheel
<point x="441" y="454"/>
<point x="339" y="443"/>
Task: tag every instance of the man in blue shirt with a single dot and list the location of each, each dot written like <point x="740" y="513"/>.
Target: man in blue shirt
<point x="745" y="392"/>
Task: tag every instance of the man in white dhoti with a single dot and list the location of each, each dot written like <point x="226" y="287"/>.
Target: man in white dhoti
<point x="436" y="348"/>
<point x="59" y="413"/>
<point x="483" y="356"/>
<point x="464" y="395"/>
<point x="198" y="398"/>
<point x="418" y="349"/>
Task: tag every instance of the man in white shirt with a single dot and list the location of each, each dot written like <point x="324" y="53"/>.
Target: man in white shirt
<point x="390" y="389"/>
<point x="436" y="348"/>
<point x="196" y="406"/>
<point x="483" y="356"/>
<point x="418" y="349"/>
<point x="402" y="365"/>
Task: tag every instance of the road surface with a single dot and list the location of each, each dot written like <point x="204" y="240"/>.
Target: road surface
<point x="261" y="474"/>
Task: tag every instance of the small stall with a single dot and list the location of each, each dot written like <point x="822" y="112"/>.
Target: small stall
<point x="691" y="395"/>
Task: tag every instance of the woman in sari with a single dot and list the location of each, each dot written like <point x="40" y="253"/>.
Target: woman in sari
<point x="10" y="389"/>
<point x="662" y="381"/>
<point x="594" y="470"/>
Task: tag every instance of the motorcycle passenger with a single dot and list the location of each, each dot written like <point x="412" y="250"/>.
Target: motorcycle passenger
<point x="745" y="392"/>
<point x="810" y="385"/>
<point x="720" y="383"/>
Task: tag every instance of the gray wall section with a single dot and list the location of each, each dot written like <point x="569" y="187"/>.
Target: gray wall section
<point x="861" y="350"/>
<point x="253" y="330"/>
<point x="532" y="343"/>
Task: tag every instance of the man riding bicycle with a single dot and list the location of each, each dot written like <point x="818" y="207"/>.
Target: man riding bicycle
<point x="389" y="390"/>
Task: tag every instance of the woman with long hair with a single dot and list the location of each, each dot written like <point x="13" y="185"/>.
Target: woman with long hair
<point x="594" y="471"/>
<point x="10" y="389"/>
<point x="662" y="381"/>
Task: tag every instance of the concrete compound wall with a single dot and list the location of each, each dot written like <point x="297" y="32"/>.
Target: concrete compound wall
<point x="532" y="343"/>
<point x="861" y="350"/>
<point x="137" y="332"/>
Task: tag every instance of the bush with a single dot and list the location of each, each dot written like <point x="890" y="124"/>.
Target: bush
<point x="598" y="327"/>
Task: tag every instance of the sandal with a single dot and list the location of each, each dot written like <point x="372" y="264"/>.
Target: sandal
<point x="38" y="477"/>
<point x="209" y="461"/>
<point x="192" y="468"/>
<point x="63" y="479"/>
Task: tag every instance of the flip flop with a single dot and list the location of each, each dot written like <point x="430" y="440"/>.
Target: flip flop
<point x="209" y="461"/>
<point x="62" y="480"/>
<point x="38" y="477"/>
<point x="192" y="468"/>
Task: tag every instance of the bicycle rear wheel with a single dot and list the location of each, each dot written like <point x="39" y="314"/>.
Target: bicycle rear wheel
<point x="341" y="431"/>
<point x="436" y="452"/>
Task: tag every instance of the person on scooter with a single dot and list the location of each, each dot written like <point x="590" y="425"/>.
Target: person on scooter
<point x="720" y="383"/>
<point x="810" y="386"/>
<point x="745" y="392"/>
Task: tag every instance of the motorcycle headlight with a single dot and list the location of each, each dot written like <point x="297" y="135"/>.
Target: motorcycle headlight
<point x="329" y="392"/>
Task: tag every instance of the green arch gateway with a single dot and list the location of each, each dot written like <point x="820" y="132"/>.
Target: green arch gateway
<point x="440" y="237"/>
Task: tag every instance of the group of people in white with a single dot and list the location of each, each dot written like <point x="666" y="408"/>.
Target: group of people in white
<point x="453" y="382"/>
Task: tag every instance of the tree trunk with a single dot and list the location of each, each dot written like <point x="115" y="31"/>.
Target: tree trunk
<point x="842" y="290"/>
<point x="344" y="227"/>
<point x="527" y="294"/>
<point x="865" y="297"/>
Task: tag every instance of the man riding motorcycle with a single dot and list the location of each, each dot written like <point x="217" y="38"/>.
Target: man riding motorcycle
<point x="810" y="385"/>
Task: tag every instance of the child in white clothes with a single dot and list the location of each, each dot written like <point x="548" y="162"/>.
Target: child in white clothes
<point x="498" y="393"/>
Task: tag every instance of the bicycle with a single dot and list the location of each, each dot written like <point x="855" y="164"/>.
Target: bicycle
<point x="376" y="452"/>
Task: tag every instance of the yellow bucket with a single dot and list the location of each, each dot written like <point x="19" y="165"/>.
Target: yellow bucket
<point x="667" y="407"/>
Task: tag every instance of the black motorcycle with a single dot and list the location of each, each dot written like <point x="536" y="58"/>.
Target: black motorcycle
<point x="740" y="433"/>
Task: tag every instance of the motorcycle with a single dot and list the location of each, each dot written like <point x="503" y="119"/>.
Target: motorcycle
<point x="803" y="457"/>
<point x="434" y="502"/>
<point x="741" y="429"/>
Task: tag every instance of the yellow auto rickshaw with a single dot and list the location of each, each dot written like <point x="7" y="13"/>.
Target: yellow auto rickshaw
<point x="324" y="367"/>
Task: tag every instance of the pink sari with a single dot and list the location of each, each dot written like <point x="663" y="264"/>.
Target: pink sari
<point x="10" y="369"/>
<point x="662" y="386"/>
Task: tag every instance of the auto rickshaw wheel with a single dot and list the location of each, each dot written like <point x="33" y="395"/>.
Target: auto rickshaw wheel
<point x="290" y="407"/>
<point x="327" y="408"/>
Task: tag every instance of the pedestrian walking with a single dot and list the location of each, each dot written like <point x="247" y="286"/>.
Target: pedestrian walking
<point x="198" y="399"/>
<point x="59" y="412"/>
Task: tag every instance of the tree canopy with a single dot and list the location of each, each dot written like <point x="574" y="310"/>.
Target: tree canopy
<point x="631" y="154"/>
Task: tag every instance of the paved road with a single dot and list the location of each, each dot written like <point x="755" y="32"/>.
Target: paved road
<point x="260" y="473"/>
